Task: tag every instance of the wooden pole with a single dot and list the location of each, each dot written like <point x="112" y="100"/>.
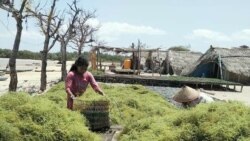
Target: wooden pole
<point x="97" y="62"/>
<point x="241" y="88"/>
<point x="100" y="59"/>
<point x="93" y="59"/>
<point x="133" y="58"/>
<point x="139" y="57"/>
<point x="158" y="61"/>
<point x="167" y="62"/>
<point x="221" y="77"/>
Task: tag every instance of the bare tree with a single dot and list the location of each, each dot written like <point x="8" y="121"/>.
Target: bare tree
<point x="66" y="35"/>
<point x="49" y="24"/>
<point x="84" y="31"/>
<point x="19" y="15"/>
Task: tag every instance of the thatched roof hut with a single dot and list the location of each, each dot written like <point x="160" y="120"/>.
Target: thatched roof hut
<point x="228" y="64"/>
<point x="176" y="61"/>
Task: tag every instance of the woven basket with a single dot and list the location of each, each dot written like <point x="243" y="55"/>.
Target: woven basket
<point x="96" y="112"/>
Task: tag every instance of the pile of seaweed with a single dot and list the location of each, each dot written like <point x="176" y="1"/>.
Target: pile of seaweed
<point x="144" y="114"/>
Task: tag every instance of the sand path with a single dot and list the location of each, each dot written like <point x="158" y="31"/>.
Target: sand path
<point x="243" y="96"/>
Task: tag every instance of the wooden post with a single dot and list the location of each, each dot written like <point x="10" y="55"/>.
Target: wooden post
<point x="153" y="67"/>
<point x="213" y="69"/>
<point x="158" y="57"/>
<point x="139" y="56"/>
<point x="167" y="62"/>
<point x="100" y="60"/>
<point x="97" y="58"/>
<point x="133" y="57"/>
<point x="93" y="59"/>
<point x="219" y="59"/>
<point x="241" y="88"/>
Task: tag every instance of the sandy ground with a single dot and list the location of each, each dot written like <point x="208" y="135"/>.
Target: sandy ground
<point x="31" y="79"/>
<point x="243" y="96"/>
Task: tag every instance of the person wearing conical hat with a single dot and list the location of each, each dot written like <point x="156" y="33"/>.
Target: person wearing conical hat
<point x="190" y="97"/>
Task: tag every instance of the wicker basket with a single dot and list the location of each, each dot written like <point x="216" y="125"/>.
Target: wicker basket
<point x="96" y="112"/>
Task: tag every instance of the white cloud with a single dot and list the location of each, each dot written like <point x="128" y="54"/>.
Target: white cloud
<point x="242" y="35"/>
<point x="111" y="28"/>
<point x="209" y="35"/>
<point x="26" y="34"/>
<point x="111" y="31"/>
<point x="31" y="34"/>
<point x="93" y="22"/>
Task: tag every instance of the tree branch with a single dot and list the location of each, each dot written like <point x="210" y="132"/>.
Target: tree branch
<point x="22" y="6"/>
<point x="57" y="27"/>
<point x="53" y="43"/>
<point x="70" y="32"/>
<point x="75" y="48"/>
<point x="9" y="9"/>
<point x="50" y="16"/>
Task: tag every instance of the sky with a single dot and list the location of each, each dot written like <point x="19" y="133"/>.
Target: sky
<point x="196" y="24"/>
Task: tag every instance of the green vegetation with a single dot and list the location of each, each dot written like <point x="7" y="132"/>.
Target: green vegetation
<point x="144" y="115"/>
<point x="25" y="54"/>
<point x="36" y="118"/>
<point x="112" y="58"/>
<point x="179" y="48"/>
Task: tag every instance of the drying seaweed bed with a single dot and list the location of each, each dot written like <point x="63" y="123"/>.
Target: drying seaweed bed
<point x="27" y="118"/>
<point x="199" y="80"/>
<point x="144" y="115"/>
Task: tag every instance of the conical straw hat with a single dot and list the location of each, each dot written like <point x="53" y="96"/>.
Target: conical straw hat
<point x="186" y="94"/>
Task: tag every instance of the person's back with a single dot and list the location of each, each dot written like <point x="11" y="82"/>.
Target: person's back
<point x="206" y="98"/>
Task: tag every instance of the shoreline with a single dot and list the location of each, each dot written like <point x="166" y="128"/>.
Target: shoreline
<point x="29" y="81"/>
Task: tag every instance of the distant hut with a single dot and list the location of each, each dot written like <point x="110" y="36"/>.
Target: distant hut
<point x="153" y="58"/>
<point x="176" y="61"/>
<point x="224" y="63"/>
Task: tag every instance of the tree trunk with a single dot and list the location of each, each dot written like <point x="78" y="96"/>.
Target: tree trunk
<point x="63" y="61"/>
<point x="79" y="52"/>
<point x="12" y="60"/>
<point x="43" y="72"/>
<point x="44" y="65"/>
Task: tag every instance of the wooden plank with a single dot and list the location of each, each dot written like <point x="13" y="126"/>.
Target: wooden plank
<point x="155" y="81"/>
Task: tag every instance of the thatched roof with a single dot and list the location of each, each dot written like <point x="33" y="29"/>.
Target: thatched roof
<point x="160" y="54"/>
<point x="123" y="49"/>
<point x="235" y="60"/>
<point x="181" y="59"/>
